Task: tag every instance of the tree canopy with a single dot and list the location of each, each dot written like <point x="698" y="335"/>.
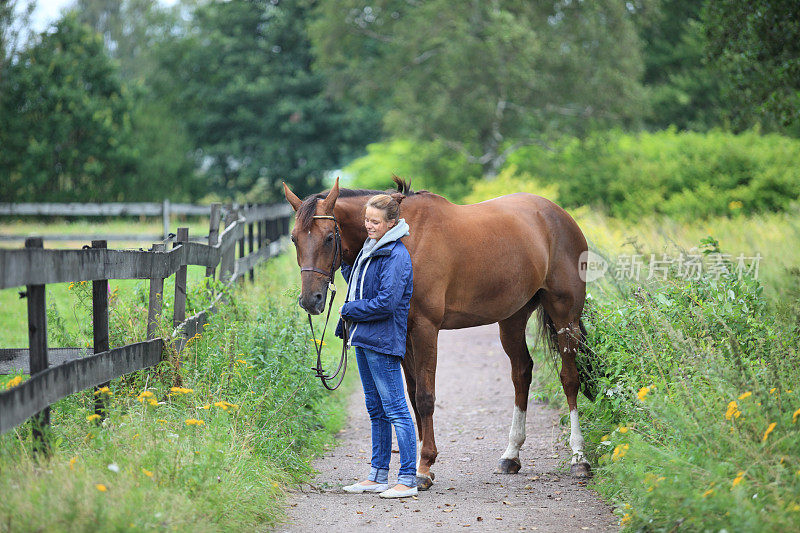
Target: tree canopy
<point x="484" y="77"/>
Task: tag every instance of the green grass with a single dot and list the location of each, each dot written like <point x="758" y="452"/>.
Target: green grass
<point x="691" y="376"/>
<point x="144" y="467"/>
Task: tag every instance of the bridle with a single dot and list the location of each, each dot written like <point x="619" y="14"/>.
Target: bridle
<point x="337" y="255"/>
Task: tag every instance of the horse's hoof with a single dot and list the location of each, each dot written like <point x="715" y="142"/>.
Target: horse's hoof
<point x="508" y="466"/>
<point x="581" y="469"/>
<point x="424" y="482"/>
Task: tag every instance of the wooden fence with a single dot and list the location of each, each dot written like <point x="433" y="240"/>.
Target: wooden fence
<point x="256" y="229"/>
<point x="164" y="210"/>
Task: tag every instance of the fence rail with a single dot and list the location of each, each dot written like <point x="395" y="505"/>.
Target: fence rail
<point x="165" y="209"/>
<point x="256" y="229"/>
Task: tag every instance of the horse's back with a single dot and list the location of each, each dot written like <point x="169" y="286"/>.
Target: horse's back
<point x="485" y="260"/>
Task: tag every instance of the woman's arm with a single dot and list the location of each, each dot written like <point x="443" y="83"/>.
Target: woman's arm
<point x="393" y="280"/>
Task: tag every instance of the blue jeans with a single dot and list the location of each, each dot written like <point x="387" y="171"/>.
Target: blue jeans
<point x="382" y="380"/>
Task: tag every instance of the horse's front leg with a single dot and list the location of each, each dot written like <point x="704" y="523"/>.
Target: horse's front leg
<point x="424" y="336"/>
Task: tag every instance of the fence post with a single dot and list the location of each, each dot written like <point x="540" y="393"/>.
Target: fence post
<point x="242" y="240"/>
<point x="213" y="234"/>
<point x="260" y="233"/>
<point x="37" y="340"/>
<point x="165" y="217"/>
<point x="250" y="243"/>
<point x="179" y="314"/>
<point x="100" y="325"/>
<point x="227" y="260"/>
<point x="156" y="298"/>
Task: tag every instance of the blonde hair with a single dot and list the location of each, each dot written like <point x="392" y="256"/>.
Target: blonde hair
<point x="387" y="204"/>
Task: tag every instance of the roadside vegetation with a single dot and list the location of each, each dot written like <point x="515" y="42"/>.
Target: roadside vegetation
<point x="205" y="442"/>
<point x="697" y="421"/>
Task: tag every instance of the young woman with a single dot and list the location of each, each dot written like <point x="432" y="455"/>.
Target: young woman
<point x="379" y="291"/>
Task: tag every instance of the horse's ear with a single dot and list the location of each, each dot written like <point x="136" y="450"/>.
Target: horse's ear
<point x="291" y="197"/>
<point x="330" y="200"/>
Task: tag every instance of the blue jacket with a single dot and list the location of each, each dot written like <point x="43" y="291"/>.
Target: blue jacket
<point x="378" y="316"/>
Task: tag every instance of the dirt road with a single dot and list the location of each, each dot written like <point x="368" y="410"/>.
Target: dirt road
<point x="474" y="400"/>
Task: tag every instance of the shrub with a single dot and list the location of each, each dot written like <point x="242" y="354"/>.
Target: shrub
<point x="684" y="175"/>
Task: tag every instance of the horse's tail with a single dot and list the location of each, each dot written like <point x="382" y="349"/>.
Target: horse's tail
<point x="548" y="339"/>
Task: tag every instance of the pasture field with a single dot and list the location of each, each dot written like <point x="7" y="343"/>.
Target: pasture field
<point x="205" y="443"/>
<point x="697" y="422"/>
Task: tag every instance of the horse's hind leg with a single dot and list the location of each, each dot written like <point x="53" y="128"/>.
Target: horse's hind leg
<point x="512" y="336"/>
<point x="564" y="309"/>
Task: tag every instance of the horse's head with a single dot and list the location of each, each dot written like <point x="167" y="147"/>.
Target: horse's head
<point x="317" y="244"/>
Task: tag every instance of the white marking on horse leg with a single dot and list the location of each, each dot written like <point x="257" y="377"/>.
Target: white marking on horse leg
<point x="575" y="438"/>
<point x="516" y="436"/>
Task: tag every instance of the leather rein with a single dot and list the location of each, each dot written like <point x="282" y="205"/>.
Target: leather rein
<point x="326" y="379"/>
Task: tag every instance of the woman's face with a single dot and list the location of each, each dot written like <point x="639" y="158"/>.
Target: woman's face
<point x="376" y="223"/>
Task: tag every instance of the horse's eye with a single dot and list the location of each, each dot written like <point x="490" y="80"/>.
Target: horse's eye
<point x="329" y="239"/>
<point x="294" y="239"/>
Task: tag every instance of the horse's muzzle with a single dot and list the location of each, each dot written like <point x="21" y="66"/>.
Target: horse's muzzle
<point x="313" y="303"/>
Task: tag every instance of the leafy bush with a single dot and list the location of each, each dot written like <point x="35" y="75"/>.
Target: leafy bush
<point x="427" y="165"/>
<point x="509" y="180"/>
<point x="684" y="175"/>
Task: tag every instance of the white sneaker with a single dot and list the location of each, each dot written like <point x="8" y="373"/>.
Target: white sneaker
<point x="391" y="493"/>
<point x="358" y="488"/>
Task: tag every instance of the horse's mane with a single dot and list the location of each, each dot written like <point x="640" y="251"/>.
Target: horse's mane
<point x="309" y="206"/>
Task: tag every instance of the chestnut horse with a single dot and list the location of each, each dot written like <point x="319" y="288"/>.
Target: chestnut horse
<point x="496" y="261"/>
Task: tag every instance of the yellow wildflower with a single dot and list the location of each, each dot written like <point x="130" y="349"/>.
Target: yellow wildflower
<point x="745" y="395"/>
<point x="162" y="421"/>
<point x="773" y="389"/>
<point x="241" y="361"/>
<point x="103" y="390"/>
<point x="152" y="401"/>
<point x="709" y="492"/>
<point x="623" y="429"/>
<point x="734" y="205"/>
<point x="13" y="382"/>
<point x="619" y="452"/>
<point x="71" y="286"/>
<point x="181" y="390"/>
<point x="147" y="472"/>
<point x="144" y="395"/>
<point x="319" y="342"/>
<point x="796" y="507"/>
<point x="795" y="416"/>
<point x="101" y="487"/>
<point x="643" y="392"/>
<point x="222" y="404"/>
<point x="626" y="518"/>
<point x="72" y="463"/>
<point x="92" y="418"/>
<point x="733" y="411"/>
<point x="194" y="422"/>
<point x="738" y="479"/>
<point x="768" y="431"/>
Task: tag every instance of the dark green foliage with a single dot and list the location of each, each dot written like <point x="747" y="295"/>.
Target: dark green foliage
<point x="683" y="90"/>
<point x="240" y="78"/>
<point x="757" y="47"/>
<point x="65" y="121"/>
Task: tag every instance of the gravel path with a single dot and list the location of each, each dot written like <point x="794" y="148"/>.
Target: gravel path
<point x="474" y="400"/>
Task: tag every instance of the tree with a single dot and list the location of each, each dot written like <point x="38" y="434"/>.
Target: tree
<point x="757" y="47"/>
<point x="682" y="88"/>
<point x="485" y="77"/>
<point x="65" y="122"/>
<point x="240" y="77"/>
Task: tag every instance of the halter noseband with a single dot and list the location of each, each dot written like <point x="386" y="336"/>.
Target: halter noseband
<point x="337" y="252"/>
